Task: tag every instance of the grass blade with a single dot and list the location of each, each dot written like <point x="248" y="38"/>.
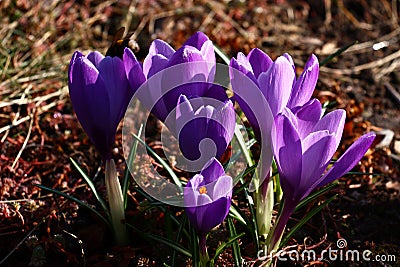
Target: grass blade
<point x="79" y="202"/>
<point x="235" y="214"/>
<point x="162" y="240"/>
<point x="91" y="186"/>
<point x="337" y="53"/>
<point x="243" y="146"/>
<point x="237" y="256"/>
<point x="178" y="237"/>
<point x="222" y="55"/>
<point x="240" y="176"/>
<point x="305" y="219"/>
<point x="131" y="157"/>
<point x="194" y="246"/>
<point x="227" y="244"/>
<point x="315" y="195"/>
<point x="162" y="162"/>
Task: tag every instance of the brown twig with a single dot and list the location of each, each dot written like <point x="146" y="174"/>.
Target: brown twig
<point x="393" y="92"/>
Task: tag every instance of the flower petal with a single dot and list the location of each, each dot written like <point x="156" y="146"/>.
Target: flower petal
<point x="318" y="148"/>
<point x="184" y="113"/>
<point x="197" y="40"/>
<point x="276" y="84"/>
<point x="207" y="50"/>
<point x="112" y="71"/>
<point x="222" y="187"/>
<point x="290" y="59"/>
<point x="305" y="85"/>
<point x="221" y="127"/>
<point x="243" y="65"/>
<point x="334" y="123"/>
<point x="198" y="214"/>
<point x="159" y="47"/>
<point x="213" y="214"/>
<point x="154" y="64"/>
<point x="91" y="102"/>
<point x="159" y="54"/>
<point x="288" y="154"/>
<point x="133" y="70"/>
<point x="348" y="160"/>
<point x="212" y="171"/>
<point x="260" y="62"/>
<point x="95" y="57"/>
<point x="308" y="116"/>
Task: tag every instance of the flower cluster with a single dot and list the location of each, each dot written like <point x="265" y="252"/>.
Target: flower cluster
<point x="277" y="104"/>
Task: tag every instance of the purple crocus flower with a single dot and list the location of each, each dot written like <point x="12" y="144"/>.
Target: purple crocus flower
<point x="207" y="198"/>
<point x="100" y="93"/>
<point x="200" y="119"/>
<point x="277" y="82"/>
<point x="303" y="147"/>
<point x="190" y="71"/>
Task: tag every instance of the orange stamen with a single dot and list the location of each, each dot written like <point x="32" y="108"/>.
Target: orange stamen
<point x="203" y="190"/>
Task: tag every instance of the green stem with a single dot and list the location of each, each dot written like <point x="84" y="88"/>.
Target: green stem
<point x="204" y="258"/>
<point x="275" y="236"/>
<point x="264" y="206"/>
<point x="116" y="202"/>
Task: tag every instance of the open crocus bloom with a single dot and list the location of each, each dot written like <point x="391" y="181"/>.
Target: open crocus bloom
<point x="207" y="197"/>
<point x="190" y="71"/>
<point x="214" y="120"/>
<point x="276" y="80"/>
<point x="100" y="93"/>
<point x="303" y="147"/>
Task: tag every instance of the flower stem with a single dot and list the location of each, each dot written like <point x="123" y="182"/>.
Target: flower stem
<point x="265" y="205"/>
<point x="279" y="227"/>
<point x="204" y="258"/>
<point x="116" y="202"/>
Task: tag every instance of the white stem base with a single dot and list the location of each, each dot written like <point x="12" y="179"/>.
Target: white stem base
<point x="116" y="202"/>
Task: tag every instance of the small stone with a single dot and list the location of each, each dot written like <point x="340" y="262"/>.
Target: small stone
<point x="387" y="138"/>
<point x="397" y="147"/>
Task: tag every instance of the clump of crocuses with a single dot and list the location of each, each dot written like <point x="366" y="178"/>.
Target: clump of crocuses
<point x="100" y="93"/>
<point x="207" y="198"/>
<point x="177" y="87"/>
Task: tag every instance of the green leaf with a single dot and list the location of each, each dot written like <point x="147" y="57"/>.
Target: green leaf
<point x="234" y="213"/>
<point x="243" y="219"/>
<point x="243" y="146"/>
<point x="308" y="216"/>
<point x="178" y="237"/>
<point x="337" y="53"/>
<point x="315" y="195"/>
<point x="237" y="256"/>
<point x="227" y="244"/>
<point x="194" y="247"/>
<point x="222" y="55"/>
<point x="240" y="176"/>
<point x="129" y="163"/>
<point x="77" y="201"/>
<point x="162" y="240"/>
<point x="162" y="162"/>
<point x="91" y="186"/>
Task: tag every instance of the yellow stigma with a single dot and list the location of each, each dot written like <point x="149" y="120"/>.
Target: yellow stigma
<point x="203" y="190"/>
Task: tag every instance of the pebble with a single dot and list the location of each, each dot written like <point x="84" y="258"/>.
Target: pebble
<point x="387" y="139"/>
<point x="397" y="147"/>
